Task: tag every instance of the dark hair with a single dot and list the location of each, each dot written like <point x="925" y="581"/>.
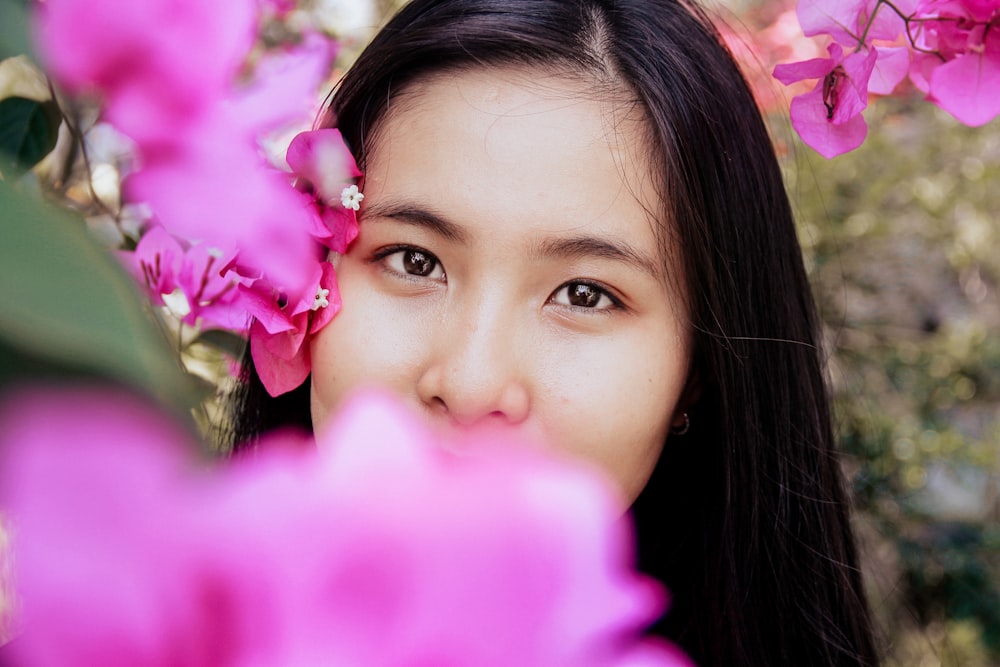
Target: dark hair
<point x="745" y="518"/>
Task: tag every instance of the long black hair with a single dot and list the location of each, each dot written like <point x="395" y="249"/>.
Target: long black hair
<point x="745" y="518"/>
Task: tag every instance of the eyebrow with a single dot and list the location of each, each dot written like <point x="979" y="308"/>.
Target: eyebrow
<point x="581" y="247"/>
<point x="417" y="217"/>
<point x="574" y="247"/>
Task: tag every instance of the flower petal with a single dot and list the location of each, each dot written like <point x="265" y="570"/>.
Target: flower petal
<point x="968" y="87"/>
<point x="281" y="360"/>
<point x="814" y="68"/>
<point x="829" y="139"/>
<point x="891" y="68"/>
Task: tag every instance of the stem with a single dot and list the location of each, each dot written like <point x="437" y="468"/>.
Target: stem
<point x="78" y="141"/>
<point x="870" y="22"/>
<point x="907" y="21"/>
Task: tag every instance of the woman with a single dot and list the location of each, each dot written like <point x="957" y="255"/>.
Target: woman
<point x="575" y="227"/>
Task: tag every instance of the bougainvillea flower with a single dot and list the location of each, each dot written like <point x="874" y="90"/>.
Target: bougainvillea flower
<point x="829" y="117"/>
<point x="845" y="20"/>
<point x="976" y="10"/>
<point x="968" y="87"/>
<point x="156" y="60"/>
<point x="284" y="86"/>
<point x="384" y="550"/>
<point x="325" y="166"/>
<point x="891" y="66"/>
<point x="195" y="128"/>
<point x="963" y="75"/>
<point x="216" y="189"/>
<point x="189" y="282"/>
<point x="281" y="326"/>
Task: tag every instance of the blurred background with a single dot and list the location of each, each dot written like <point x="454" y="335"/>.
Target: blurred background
<point x="902" y="240"/>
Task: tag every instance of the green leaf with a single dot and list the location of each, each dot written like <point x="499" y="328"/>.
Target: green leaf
<point x="14" y="30"/>
<point x="28" y="131"/>
<point x="66" y="302"/>
<point x="224" y="341"/>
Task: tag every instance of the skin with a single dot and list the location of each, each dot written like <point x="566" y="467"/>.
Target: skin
<point x="507" y="273"/>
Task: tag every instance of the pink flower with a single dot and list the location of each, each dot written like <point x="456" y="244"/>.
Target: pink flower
<point x="189" y="282"/>
<point x="963" y="75"/>
<point x="846" y="20"/>
<point x="326" y="166"/>
<point x="154" y="61"/>
<point x="213" y="187"/>
<point x="282" y="325"/>
<point x="167" y="75"/>
<point x="385" y="550"/>
<point x="891" y="66"/>
<point x="829" y="117"/>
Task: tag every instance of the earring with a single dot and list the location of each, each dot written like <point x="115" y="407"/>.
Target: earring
<point x="683" y="428"/>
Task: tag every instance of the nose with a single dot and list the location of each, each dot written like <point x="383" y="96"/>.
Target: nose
<point x="476" y="371"/>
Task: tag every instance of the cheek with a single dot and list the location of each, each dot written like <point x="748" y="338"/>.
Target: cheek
<point x="615" y="406"/>
<point x="368" y="343"/>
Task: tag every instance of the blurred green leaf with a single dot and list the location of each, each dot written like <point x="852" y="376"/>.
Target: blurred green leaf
<point x="67" y="303"/>
<point x="28" y="131"/>
<point x="14" y="38"/>
<point x="224" y="341"/>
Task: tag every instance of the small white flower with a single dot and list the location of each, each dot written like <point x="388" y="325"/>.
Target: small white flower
<point x="321" y="301"/>
<point x="351" y="198"/>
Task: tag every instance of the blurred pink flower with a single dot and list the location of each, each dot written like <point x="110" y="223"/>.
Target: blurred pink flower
<point x="385" y="550"/>
<point x="214" y="187"/>
<point x="154" y="62"/>
<point x="829" y="117"/>
<point x="167" y="73"/>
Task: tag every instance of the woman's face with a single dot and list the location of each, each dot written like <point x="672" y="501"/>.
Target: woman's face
<point x="507" y="272"/>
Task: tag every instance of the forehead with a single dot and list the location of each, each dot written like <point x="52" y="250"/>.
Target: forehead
<point x="507" y="145"/>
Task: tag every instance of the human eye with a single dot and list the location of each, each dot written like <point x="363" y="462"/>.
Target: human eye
<point x="587" y="295"/>
<point x="410" y="261"/>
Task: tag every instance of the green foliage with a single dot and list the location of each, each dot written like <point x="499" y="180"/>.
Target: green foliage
<point x="28" y="132"/>
<point x="900" y="238"/>
<point x="67" y="308"/>
<point x="14" y="28"/>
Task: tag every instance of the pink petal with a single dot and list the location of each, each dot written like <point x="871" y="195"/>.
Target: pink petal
<point x="342" y="226"/>
<point x="921" y="67"/>
<point x="968" y="87"/>
<point x="322" y="316"/>
<point x="214" y="187"/>
<point x="88" y="485"/>
<point x="261" y="303"/>
<point x="838" y="18"/>
<point x="147" y="43"/>
<point x="279" y="373"/>
<point x="286" y="85"/>
<point x="505" y="557"/>
<point x="156" y="262"/>
<point x="845" y="20"/>
<point x="547" y="585"/>
<point x="829" y="139"/>
<point x="814" y="68"/>
<point x="891" y="68"/>
<point x="852" y="93"/>
<point x="212" y="296"/>
<point x="981" y="10"/>
<point x="322" y="158"/>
